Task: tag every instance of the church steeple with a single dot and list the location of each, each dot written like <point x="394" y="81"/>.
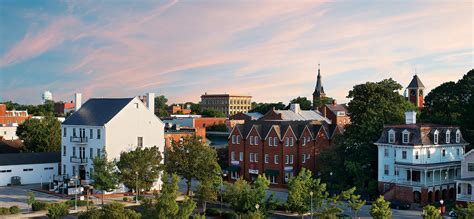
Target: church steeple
<point x="318" y="93"/>
<point x="415" y="92"/>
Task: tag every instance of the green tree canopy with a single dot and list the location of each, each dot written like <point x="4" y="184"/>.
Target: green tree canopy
<point x="212" y="113"/>
<point x="192" y="159"/>
<point x="381" y="209"/>
<point x="140" y="167"/>
<point x="104" y="176"/>
<point x="431" y="212"/>
<point x="40" y="135"/>
<point x="452" y="104"/>
<point x="243" y="197"/>
<point x="305" y="104"/>
<point x="265" y="107"/>
<point x="353" y="201"/>
<point x="45" y="109"/>
<point x="161" y="106"/>
<point x="324" y="100"/>
<point x="299" y="192"/>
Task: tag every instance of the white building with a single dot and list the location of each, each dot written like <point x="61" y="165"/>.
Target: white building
<point x="113" y="124"/>
<point x="29" y="167"/>
<point x="466" y="182"/>
<point x="8" y="132"/>
<point x="419" y="163"/>
<point x="47" y="95"/>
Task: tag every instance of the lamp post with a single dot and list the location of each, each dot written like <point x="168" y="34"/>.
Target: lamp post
<point x="442" y="206"/>
<point x="75" y="193"/>
<point x="257" y="206"/>
<point x="311" y="194"/>
<point x="136" y="186"/>
<point x="223" y="174"/>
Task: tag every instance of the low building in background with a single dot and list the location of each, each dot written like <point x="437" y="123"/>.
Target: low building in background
<point x="177" y="133"/>
<point x="465" y="184"/>
<point x="226" y="103"/>
<point x="64" y="107"/>
<point x="12" y="117"/>
<point x="180" y="109"/>
<point x="8" y="132"/>
<point x="295" y="113"/>
<point x="10" y="146"/>
<point x="337" y="113"/>
<point x="28" y="168"/>
<point x="419" y="163"/>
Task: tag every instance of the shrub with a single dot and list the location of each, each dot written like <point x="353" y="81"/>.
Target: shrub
<point x="14" y="209"/>
<point x="212" y="212"/>
<point x="4" y="211"/>
<point x="40" y="206"/>
<point x="125" y="199"/>
<point x="113" y="210"/>
<point x="70" y="203"/>
<point x="229" y="215"/>
<point x="139" y="198"/>
<point x="91" y="213"/>
<point x="58" y="210"/>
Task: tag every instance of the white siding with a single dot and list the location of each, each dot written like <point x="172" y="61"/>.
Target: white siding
<point x="37" y="175"/>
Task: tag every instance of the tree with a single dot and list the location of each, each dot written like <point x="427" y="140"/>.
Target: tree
<point x="31" y="198"/>
<point x="186" y="208"/>
<point x="40" y="135"/>
<point x="212" y="113"/>
<point x="380" y="208"/>
<point x="299" y="189"/>
<point x="353" y="201"/>
<point x="305" y="104"/>
<point x="373" y="105"/>
<point x="206" y="192"/>
<point x="195" y="107"/>
<point x="192" y="159"/>
<point x="323" y="100"/>
<point x="140" y="168"/>
<point x="58" y="210"/>
<point x="112" y="210"/>
<point x="467" y="212"/>
<point x="104" y="176"/>
<point x="431" y="212"/>
<point x="330" y="208"/>
<point x="265" y="107"/>
<point x="451" y="104"/>
<point x="161" y="108"/>
<point x="243" y="197"/>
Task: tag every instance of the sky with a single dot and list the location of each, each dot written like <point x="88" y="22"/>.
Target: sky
<point x="267" y="49"/>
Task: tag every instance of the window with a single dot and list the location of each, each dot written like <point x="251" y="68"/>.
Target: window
<point x="140" y="141"/>
<point x="386" y="152"/>
<point x="255" y="157"/>
<point x="232" y="155"/>
<point x="428" y="152"/>
<point x="234" y="175"/>
<point x="288" y="175"/>
<point x="74" y="132"/>
<point x="406" y="137"/>
<point x="458" y="136"/>
<point x="74" y="170"/>
<point x="287" y="142"/>
<point x="266" y="158"/>
<point x="470" y="167"/>
<point x="272" y="179"/>
<point x="457" y="151"/>
<point x="435" y="137"/>
<point x="255" y="140"/>
<point x="64" y="150"/>
<point x="291" y="142"/>
<point x="91" y="153"/>
<point x="98" y="152"/>
<point x="48" y="168"/>
<point x="270" y="141"/>
<point x="395" y="153"/>
<point x="444" y="152"/>
<point x="98" y="133"/>
<point x="385" y="169"/>
<point x="416" y="155"/>
<point x="275" y="141"/>
<point x="291" y="159"/>
<point x="237" y="139"/>
<point x="251" y="157"/>
<point x="275" y="159"/>
<point x="64" y="169"/>
<point x="469" y="189"/>
<point x="303" y="160"/>
<point x="5" y="171"/>
<point x="404" y="154"/>
<point x="287" y="159"/>
<point x="391" y="136"/>
<point x="251" y="140"/>
<point x="64" y="132"/>
<point x="233" y="139"/>
<point x="91" y="133"/>
<point x="27" y="170"/>
<point x="74" y="151"/>
<point x="241" y="156"/>
<point x="448" y="137"/>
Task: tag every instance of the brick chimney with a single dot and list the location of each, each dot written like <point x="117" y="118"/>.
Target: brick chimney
<point x="334" y="102"/>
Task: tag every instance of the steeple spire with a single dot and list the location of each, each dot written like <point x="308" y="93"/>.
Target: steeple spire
<point x="319" y="89"/>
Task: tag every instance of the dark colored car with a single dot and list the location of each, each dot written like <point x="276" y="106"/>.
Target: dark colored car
<point x="399" y="205"/>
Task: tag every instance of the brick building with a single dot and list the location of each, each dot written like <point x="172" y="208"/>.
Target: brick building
<point x="419" y="163"/>
<point x="226" y="103"/>
<point x="337" y="113"/>
<point x="63" y="108"/>
<point x="179" y="109"/>
<point x="278" y="149"/>
<point x="9" y="117"/>
<point x="176" y="133"/>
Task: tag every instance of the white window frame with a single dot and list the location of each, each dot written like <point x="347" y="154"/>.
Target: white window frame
<point x="241" y="156"/>
<point x="405" y="137"/>
<point x="234" y="174"/>
<point x="291" y="141"/>
<point x="428" y="152"/>
<point x="458" y="136"/>
<point x="251" y="157"/>
<point x="386" y="170"/>
<point x="303" y="159"/>
<point x="251" y="140"/>
<point x="417" y="155"/>
<point x="436" y="137"/>
<point x="391" y="136"/>
<point x="237" y="139"/>
<point x="255" y="140"/>
<point x="291" y="159"/>
<point x="233" y="139"/>
<point x="270" y="141"/>
<point x="404" y="155"/>
<point x="272" y="179"/>
<point x="287" y="159"/>
<point x="287" y="142"/>
<point x="255" y="157"/>
<point x="275" y="141"/>
<point x="386" y="152"/>
<point x="276" y="159"/>
<point x="448" y="137"/>
<point x="266" y="158"/>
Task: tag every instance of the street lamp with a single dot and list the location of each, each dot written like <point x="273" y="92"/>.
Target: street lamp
<point x="442" y="206"/>
<point x="136" y="186"/>
<point x="257" y="206"/>
<point x="75" y="193"/>
<point x="223" y="174"/>
<point x="311" y="194"/>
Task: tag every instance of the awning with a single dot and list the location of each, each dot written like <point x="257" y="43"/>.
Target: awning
<point x="271" y="172"/>
<point x="233" y="168"/>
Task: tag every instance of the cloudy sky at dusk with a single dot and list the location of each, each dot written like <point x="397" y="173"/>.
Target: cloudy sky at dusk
<point x="269" y="50"/>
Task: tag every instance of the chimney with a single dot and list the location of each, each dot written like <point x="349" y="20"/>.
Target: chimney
<point x="295" y="107"/>
<point x="334" y="102"/>
<point x="410" y="117"/>
<point x="150" y="102"/>
<point x="77" y="101"/>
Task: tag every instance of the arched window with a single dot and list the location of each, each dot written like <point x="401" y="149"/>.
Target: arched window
<point x="391" y="136"/>
<point x="458" y="136"/>
<point x="406" y="136"/>
<point x="435" y="137"/>
<point x="448" y="137"/>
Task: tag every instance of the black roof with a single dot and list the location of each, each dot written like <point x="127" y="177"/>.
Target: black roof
<point x="29" y="158"/>
<point x="97" y="111"/>
<point x="416" y="83"/>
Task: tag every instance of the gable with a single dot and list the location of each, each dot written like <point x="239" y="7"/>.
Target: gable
<point x="273" y="130"/>
<point x="306" y="131"/>
<point x="235" y="131"/>
<point x="289" y="132"/>
<point x="252" y="131"/>
<point x="97" y="111"/>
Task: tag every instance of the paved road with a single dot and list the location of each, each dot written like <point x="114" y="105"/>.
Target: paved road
<point x="16" y="195"/>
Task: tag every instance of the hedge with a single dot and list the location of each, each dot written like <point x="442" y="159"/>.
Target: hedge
<point x="4" y="211"/>
<point x="14" y="209"/>
<point x="40" y="206"/>
<point x="70" y="203"/>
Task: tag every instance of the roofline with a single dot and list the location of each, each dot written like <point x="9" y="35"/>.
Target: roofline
<point x="253" y="127"/>
<point x="311" y="134"/>
<point x="273" y="127"/>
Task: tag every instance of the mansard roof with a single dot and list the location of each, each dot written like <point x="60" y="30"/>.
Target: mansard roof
<point x="420" y="134"/>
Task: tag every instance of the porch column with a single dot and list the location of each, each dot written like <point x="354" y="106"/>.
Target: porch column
<point x="440" y="176"/>
<point x="411" y="176"/>
<point x="425" y="177"/>
<point x="432" y="178"/>
<point x="472" y="193"/>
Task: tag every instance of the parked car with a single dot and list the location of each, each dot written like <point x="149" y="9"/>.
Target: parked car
<point x="395" y="204"/>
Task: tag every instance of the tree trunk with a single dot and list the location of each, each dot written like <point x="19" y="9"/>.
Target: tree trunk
<point x="103" y="197"/>
<point x="204" y="207"/>
<point x="188" y="186"/>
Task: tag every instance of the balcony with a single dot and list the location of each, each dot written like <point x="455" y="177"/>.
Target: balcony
<point x="464" y="197"/>
<point x="78" y="160"/>
<point x="78" y="139"/>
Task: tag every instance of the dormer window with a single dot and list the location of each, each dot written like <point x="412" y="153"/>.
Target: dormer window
<point x="448" y="136"/>
<point x="435" y="137"/>
<point x="391" y="136"/>
<point x="458" y="136"/>
<point x="406" y="137"/>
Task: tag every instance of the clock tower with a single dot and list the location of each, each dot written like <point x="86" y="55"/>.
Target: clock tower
<point x="415" y="92"/>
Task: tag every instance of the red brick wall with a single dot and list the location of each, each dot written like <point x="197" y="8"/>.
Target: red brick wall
<point x="272" y="151"/>
<point x="309" y="148"/>
<point x="253" y="149"/>
<point x="207" y="122"/>
<point x="237" y="148"/>
<point x="404" y="194"/>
